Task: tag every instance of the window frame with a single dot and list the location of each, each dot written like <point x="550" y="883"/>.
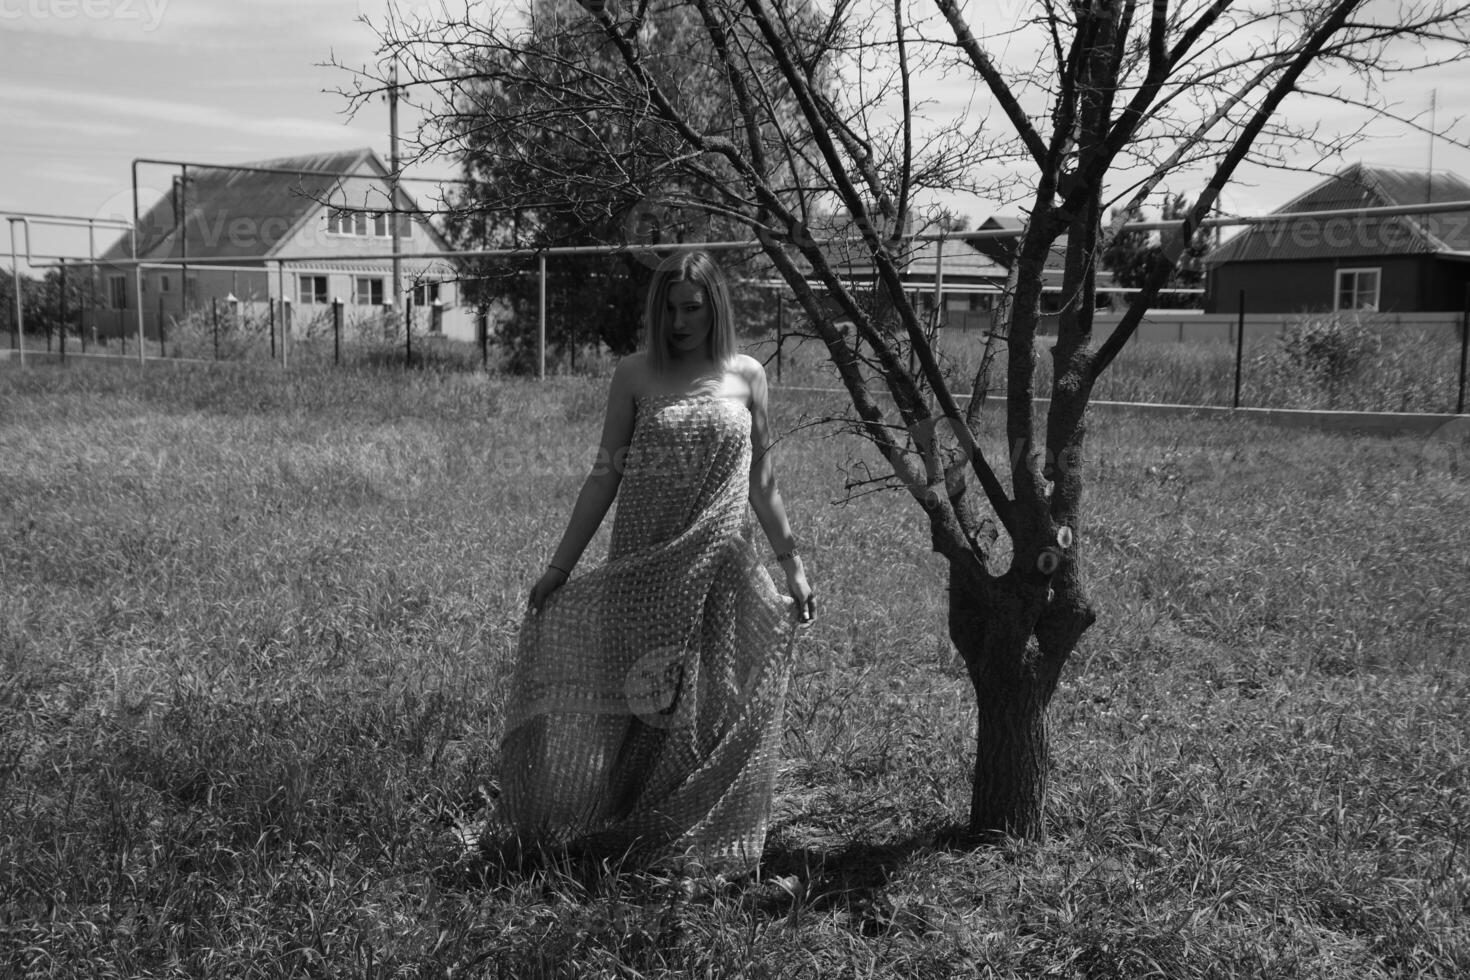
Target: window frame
<point x="1356" y="272"/>
<point x="117" y="291"/>
<point x="358" y="282"/>
<point x="309" y="297"/>
<point x="344" y="223"/>
<point x="426" y="293"/>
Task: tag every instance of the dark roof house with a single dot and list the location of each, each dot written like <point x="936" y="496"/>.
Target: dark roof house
<point x="1398" y="263"/>
<point x="331" y="214"/>
<point x="252" y="214"/>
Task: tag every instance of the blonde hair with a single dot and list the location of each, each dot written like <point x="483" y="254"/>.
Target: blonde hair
<point x="697" y="268"/>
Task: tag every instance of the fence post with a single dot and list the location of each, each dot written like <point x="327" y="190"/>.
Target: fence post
<point x="82" y="314"/>
<point x="285" y="312"/>
<point x="232" y="310"/>
<point x="138" y="295"/>
<point x="214" y="319"/>
<point x="1464" y="349"/>
<point x="337" y="330"/>
<point x="482" y="321"/>
<point x="270" y="305"/>
<point x="780" y="332"/>
<point x="20" y="323"/>
<point x="162" y="336"/>
<point x="61" y="318"/>
<point x="89" y="302"/>
<point x="541" y="321"/>
<point x="1239" y="347"/>
<point x="937" y="323"/>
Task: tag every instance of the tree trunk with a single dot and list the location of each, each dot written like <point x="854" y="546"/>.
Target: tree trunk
<point x="1012" y="757"/>
<point x="991" y="623"/>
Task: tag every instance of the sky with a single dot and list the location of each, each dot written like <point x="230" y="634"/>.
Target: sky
<point x="86" y="86"/>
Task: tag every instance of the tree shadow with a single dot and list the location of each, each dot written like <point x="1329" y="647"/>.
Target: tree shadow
<point x="853" y="878"/>
<point x="792" y="877"/>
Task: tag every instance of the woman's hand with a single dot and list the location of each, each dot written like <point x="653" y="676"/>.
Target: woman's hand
<point x="801" y="592"/>
<point x="550" y="580"/>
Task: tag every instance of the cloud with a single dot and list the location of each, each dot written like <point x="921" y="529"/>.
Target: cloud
<point x="22" y="119"/>
<point x="181" y="113"/>
<point x="71" y="173"/>
<point x="122" y="20"/>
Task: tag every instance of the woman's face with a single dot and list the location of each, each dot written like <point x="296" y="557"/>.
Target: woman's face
<point x="690" y="319"/>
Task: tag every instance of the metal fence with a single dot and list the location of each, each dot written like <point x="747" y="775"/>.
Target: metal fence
<point x="253" y="315"/>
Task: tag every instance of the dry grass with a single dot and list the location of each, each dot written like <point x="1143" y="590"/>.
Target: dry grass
<point x="254" y="628"/>
<point x="1397" y="372"/>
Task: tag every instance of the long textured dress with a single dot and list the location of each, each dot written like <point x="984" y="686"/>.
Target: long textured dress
<point x="647" y="706"/>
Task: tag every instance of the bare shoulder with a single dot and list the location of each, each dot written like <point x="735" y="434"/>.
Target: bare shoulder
<point x="753" y="377"/>
<point x="631" y="373"/>
<point x="751" y="371"/>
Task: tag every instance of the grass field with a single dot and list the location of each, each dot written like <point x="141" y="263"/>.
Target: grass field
<point x="1320" y="361"/>
<point x="1342" y="367"/>
<point x="255" y="629"/>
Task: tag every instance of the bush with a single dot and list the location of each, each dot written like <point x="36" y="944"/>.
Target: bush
<point x="1331" y="350"/>
<point x="239" y="335"/>
<point x="1325" y="360"/>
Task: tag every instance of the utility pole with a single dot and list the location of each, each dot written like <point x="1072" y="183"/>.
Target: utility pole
<point x="393" y="187"/>
<point x="1429" y="184"/>
<point x="181" y="202"/>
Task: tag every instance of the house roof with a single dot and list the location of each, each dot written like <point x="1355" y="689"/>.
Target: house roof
<point x="959" y="262"/>
<point x="247" y="215"/>
<point x="1002" y="249"/>
<point x="1007" y="222"/>
<point x="1360" y="186"/>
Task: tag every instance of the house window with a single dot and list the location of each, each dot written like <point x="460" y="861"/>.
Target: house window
<point x="1357" y="289"/>
<point x="312" y="289"/>
<point x="163" y="284"/>
<point x="368" y="291"/>
<point x="117" y="292"/>
<point x="425" y="293"/>
<point x="359" y="223"/>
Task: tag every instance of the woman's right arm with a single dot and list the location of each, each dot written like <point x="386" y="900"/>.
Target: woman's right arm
<point x="601" y="485"/>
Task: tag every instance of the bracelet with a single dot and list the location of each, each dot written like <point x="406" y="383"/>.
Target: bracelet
<point x="788" y="555"/>
<point x="564" y="572"/>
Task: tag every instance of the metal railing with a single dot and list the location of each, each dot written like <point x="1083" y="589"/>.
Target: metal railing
<point x="276" y="267"/>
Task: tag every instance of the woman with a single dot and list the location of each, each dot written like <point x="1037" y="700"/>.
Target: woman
<point x="647" y="707"/>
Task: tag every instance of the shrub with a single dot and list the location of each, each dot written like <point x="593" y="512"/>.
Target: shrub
<point x="239" y="334"/>
<point x="1329" y="351"/>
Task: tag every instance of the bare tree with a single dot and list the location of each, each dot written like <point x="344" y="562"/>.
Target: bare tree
<point x="1096" y="96"/>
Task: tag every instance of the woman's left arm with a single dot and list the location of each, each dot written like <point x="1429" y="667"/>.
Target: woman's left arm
<point x="766" y="499"/>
